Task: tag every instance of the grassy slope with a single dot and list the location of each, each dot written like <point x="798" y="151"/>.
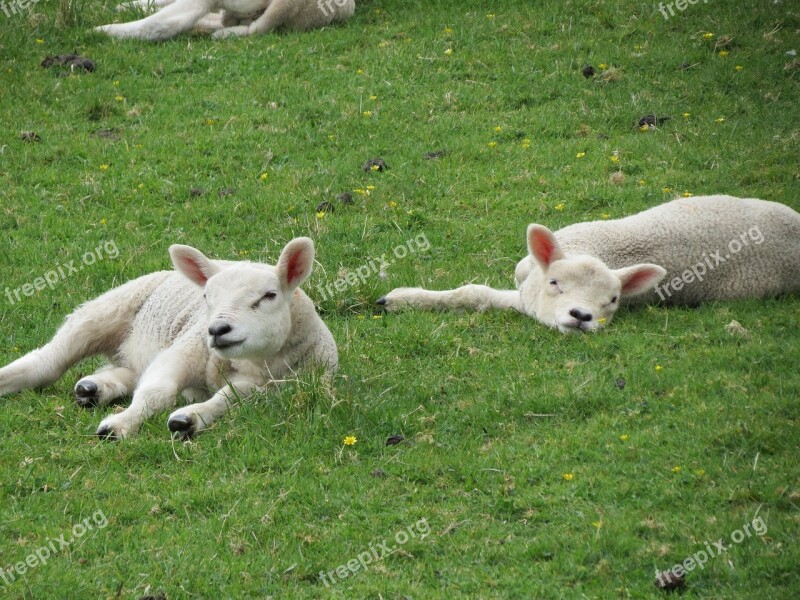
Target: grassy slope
<point x="270" y="497"/>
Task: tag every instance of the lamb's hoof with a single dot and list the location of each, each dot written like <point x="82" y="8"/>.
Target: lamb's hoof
<point x="181" y="426"/>
<point x="86" y="393"/>
<point x="104" y="432"/>
<point x="382" y="301"/>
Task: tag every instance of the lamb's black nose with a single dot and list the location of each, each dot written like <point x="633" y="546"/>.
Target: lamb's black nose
<point x="577" y="313"/>
<point x="219" y="329"/>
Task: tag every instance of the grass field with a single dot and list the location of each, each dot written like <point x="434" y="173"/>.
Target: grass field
<point x="535" y="465"/>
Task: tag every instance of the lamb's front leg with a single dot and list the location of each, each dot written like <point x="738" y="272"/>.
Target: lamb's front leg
<point x="168" y="22"/>
<point x="193" y="418"/>
<point x="467" y="297"/>
<point x="168" y="374"/>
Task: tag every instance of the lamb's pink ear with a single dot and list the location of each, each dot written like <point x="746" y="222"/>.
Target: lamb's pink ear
<point x="639" y="278"/>
<point x="543" y="246"/>
<point x="296" y="262"/>
<point x="192" y="264"/>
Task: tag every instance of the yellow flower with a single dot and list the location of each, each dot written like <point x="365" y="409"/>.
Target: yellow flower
<point x="644" y="127"/>
<point x="602" y="65"/>
<point x="614" y="158"/>
<point x="104" y="167"/>
<point x="263" y="176"/>
<point x="359" y="71"/>
<point x="624" y="437"/>
<point x="376" y="317"/>
<point x="349" y="440"/>
<point x="383" y="44"/>
<point x="687" y="194"/>
<point x="526" y="143"/>
<point x="367" y="113"/>
<point x="723" y="53"/>
<point x="492" y="144"/>
<point x="601" y="320"/>
<point x="700" y="472"/>
<point x="119" y="98"/>
<point x="373" y="98"/>
<point x="708" y="35"/>
<point x="39" y="41"/>
<point x="568" y="476"/>
<point x="116" y="83"/>
<point x="597" y="524"/>
<point x="719" y="120"/>
<point x="210" y="121"/>
<point x="490" y="16"/>
<point x="447" y="31"/>
<point x="686" y="115"/>
<point x="676" y="469"/>
<point x="738" y="67"/>
<point x="449" y="51"/>
<point x="372" y="187"/>
<point x="103" y="221"/>
<point x="374" y="168"/>
<point x="140" y="186"/>
<point x="559" y="206"/>
<point x="604" y="215"/>
<point x="498" y="129"/>
<point x="659" y="367"/>
<point x="361" y="192"/>
<point x="321" y="214"/>
<point x="666" y="190"/>
<point x="391" y="204"/>
<point x="642" y="182"/>
<point x="580" y="155"/>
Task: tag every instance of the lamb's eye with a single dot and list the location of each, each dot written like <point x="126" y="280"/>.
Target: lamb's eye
<point x="554" y="284"/>
<point x="268" y="296"/>
<point x="614" y="299"/>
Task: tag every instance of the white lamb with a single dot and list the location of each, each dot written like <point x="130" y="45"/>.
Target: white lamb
<point x="213" y="328"/>
<point x="238" y="17"/>
<point x="705" y="248"/>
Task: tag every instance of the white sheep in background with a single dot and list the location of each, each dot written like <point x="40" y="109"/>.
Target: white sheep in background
<point x="215" y="328"/>
<point x="238" y="17"/>
<point x="705" y="248"/>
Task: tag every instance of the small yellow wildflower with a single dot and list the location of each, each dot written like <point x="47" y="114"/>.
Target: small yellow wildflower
<point x="371" y="187"/>
<point x="103" y="221"/>
<point x="359" y="71"/>
<point x="367" y="113"/>
<point x="708" y="35"/>
<point x="373" y="98"/>
<point x="601" y="320"/>
<point x="644" y="127"/>
<point x="659" y="368"/>
<point x="263" y="176"/>
<point x="624" y="437"/>
<point x="321" y="214"/>
<point x="383" y="44"/>
<point x="490" y="15"/>
<point x="602" y="65"/>
<point x="116" y="83"/>
<point x="614" y="158"/>
<point x="376" y="317"/>
<point x="676" y="469"/>
<point x="605" y="216"/>
<point x="119" y="98"/>
<point x="723" y="53"/>
<point x="700" y="472"/>
<point x="104" y="167"/>
<point x="686" y="115"/>
<point x="666" y="190"/>
<point x="568" y="476"/>
<point x="738" y="67"/>
<point x="597" y="524"/>
<point x="498" y="129"/>
<point x="39" y="41"/>
<point x="391" y="204"/>
<point x="687" y="194"/>
<point x="449" y="51"/>
<point x="559" y="206"/>
<point x="349" y="440"/>
<point x="447" y="31"/>
<point x="580" y="155"/>
<point x="210" y="121"/>
<point x="719" y="120"/>
<point x="526" y="143"/>
<point x="642" y="182"/>
<point x="492" y="144"/>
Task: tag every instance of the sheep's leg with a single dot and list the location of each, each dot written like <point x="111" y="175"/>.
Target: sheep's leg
<point x="105" y="386"/>
<point x="277" y="14"/>
<point x="191" y="419"/>
<point x="467" y="297"/>
<point x="163" y="25"/>
<point x="168" y="374"/>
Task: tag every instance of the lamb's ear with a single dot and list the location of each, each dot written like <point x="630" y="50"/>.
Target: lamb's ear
<point x="639" y="279"/>
<point x="542" y="246"/>
<point x="192" y="264"/>
<point x="295" y="263"/>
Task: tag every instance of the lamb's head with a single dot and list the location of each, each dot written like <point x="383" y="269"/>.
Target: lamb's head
<point x="249" y="304"/>
<point x="577" y="292"/>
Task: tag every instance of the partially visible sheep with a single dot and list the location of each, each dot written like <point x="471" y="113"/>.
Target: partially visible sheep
<point x="214" y="328"/>
<point x="704" y="248"/>
<point x="238" y="17"/>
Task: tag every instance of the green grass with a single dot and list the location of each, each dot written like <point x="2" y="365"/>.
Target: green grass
<point x="270" y="497"/>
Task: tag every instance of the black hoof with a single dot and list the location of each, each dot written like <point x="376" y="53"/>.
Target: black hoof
<point x="106" y="433"/>
<point x="86" y="394"/>
<point x="381" y="301"/>
<point x="181" y="426"/>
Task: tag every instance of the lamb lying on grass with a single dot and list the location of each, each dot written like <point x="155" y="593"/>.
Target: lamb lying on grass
<point x="238" y="17"/>
<point x="214" y="328"/>
<point x="704" y="249"/>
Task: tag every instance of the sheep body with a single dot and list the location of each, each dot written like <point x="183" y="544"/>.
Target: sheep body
<point x="210" y="329"/>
